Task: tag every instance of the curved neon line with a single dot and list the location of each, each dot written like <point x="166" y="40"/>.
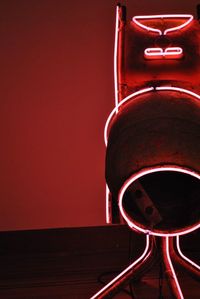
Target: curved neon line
<point x="136" y="176"/>
<point x="115" y="57"/>
<point x="171" y="88"/>
<point x="108" y="215"/>
<point x="180" y="26"/>
<point x="172" y="269"/>
<point x="185" y="257"/>
<point x="173" y="50"/>
<point x="153" y="51"/>
<point x="126" y="270"/>
<point x="115" y="110"/>
<point x="142" y="91"/>
<point x="156" y="52"/>
<point x="136" y="19"/>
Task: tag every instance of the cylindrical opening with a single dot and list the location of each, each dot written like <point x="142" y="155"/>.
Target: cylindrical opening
<point x="162" y="201"/>
<point x="156" y="129"/>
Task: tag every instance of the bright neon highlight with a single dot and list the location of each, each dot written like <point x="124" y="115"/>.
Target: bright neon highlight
<point x="142" y="91"/>
<point x="137" y="20"/>
<point x="115" y="110"/>
<point x="108" y="206"/>
<point x="171" y="88"/>
<point x="172" y="269"/>
<point x="126" y="270"/>
<point x="185" y="257"/>
<point x="158" y="53"/>
<point x="136" y="176"/>
<point x="116" y="57"/>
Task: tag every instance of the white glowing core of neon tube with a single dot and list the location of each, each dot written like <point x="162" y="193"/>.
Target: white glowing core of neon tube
<point x="178" y="89"/>
<point x="108" y="212"/>
<point x="137" y="19"/>
<point x="170" y="52"/>
<point x="142" y="91"/>
<point x="126" y="270"/>
<point x="116" y="57"/>
<point x="115" y="110"/>
<point x="136" y="176"/>
<point x="172" y="269"/>
<point x="185" y="257"/>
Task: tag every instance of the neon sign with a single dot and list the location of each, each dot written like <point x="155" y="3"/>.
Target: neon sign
<point x="169" y="52"/>
<point x="116" y="109"/>
<point x="159" y="25"/>
<point x="159" y="53"/>
<point x="116" y="57"/>
<point x="108" y="206"/>
<point x="136" y="226"/>
<point x="138" y="21"/>
<point x="140" y="92"/>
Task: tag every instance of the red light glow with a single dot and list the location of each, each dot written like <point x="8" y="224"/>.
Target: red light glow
<point x="108" y="206"/>
<point x="161" y="25"/>
<point x="184" y="256"/>
<point x="116" y="109"/>
<point x="144" y="254"/>
<point x="139" y="92"/>
<point x="159" y="53"/>
<point x="138" y="21"/>
<point x="171" y="270"/>
<point x="178" y="89"/>
<point x="138" y="227"/>
<point x="116" y="57"/>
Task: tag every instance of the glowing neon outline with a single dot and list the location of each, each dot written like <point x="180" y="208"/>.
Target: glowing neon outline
<point x="141" y="173"/>
<point x="182" y="90"/>
<point x="184" y="256"/>
<point x="172" y="268"/>
<point x="136" y="18"/>
<point x="115" y="110"/>
<point x="126" y="269"/>
<point x="115" y="57"/>
<point x="108" y="214"/>
<point x="139" y="92"/>
<point x="156" y="52"/>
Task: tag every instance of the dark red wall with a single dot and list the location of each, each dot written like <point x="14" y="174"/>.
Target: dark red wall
<point x="56" y="92"/>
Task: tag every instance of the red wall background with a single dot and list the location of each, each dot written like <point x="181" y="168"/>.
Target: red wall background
<point x="56" y="61"/>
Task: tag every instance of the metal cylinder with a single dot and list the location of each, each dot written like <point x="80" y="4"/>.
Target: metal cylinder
<point x="157" y="131"/>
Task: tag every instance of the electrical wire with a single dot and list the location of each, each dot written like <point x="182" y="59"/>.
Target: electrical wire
<point x="160" y="282"/>
<point x="102" y="277"/>
<point x="103" y="281"/>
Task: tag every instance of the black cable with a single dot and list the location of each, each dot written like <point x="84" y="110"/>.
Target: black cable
<point x="132" y="292"/>
<point x="102" y="281"/>
<point x="101" y="278"/>
<point x="160" y="282"/>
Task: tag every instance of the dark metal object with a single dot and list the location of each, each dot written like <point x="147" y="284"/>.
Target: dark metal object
<point x="155" y="129"/>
